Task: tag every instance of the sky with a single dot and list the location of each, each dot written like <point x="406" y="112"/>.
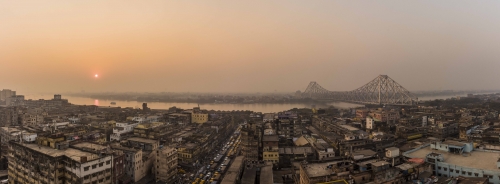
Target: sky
<point x="247" y="46"/>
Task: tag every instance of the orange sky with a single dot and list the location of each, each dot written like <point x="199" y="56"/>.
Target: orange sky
<point x="253" y="46"/>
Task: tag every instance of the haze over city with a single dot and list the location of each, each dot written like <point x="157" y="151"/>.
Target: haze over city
<point x="247" y="46"/>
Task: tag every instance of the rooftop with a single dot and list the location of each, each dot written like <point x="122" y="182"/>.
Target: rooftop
<point x="266" y="175"/>
<point x="139" y="139"/>
<point x="350" y="128"/>
<point x="270" y="138"/>
<point x="89" y="145"/>
<point x="392" y="149"/>
<point x="454" y="143"/>
<point x="476" y="159"/>
<point x="318" y="169"/>
<point x="74" y="154"/>
<point x="249" y="176"/>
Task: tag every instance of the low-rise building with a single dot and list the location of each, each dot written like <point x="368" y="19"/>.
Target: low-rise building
<point x="198" y="117"/>
<point x="454" y="158"/>
<point x="122" y="128"/>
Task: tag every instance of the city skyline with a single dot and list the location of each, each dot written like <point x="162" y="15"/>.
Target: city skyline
<point x="256" y="46"/>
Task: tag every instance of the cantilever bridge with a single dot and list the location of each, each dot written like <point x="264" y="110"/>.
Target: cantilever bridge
<point x="381" y="90"/>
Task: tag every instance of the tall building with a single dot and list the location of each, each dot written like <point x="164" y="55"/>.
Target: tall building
<point x="6" y="93"/>
<point x="32" y="163"/>
<point x="250" y="143"/>
<point x="16" y="100"/>
<point x="57" y="97"/>
<point x="270" y="149"/>
<point x="166" y="164"/>
<point x="132" y="162"/>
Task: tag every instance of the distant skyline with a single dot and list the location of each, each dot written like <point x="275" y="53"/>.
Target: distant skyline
<point x="247" y="46"/>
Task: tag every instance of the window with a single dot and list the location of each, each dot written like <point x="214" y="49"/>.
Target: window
<point x="445" y="169"/>
<point x="108" y="162"/>
<point x="451" y="170"/>
<point x="470" y="173"/>
<point x="439" y="167"/>
<point x="101" y="164"/>
<point x="94" y="166"/>
<point x="457" y="171"/>
<point x="476" y="174"/>
<point x="86" y="168"/>
<point x="463" y="172"/>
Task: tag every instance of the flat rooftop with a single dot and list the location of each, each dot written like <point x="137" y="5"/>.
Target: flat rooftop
<point x="74" y="154"/>
<point x="318" y="169"/>
<point x="477" y="159"/>
<point x="266" y="175"/>
<point x="139" y="139"/>
<point x="89" y="145"/>
<point x="350" y="128"/>
<point x="249" y="176"/>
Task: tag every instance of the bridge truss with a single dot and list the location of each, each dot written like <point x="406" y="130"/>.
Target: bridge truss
<point x="381" y="90"/>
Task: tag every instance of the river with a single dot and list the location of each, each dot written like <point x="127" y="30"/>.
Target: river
<point x="266" y="108"/>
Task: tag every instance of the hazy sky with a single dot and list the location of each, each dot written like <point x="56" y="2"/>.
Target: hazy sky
<point x="247" y="46"/>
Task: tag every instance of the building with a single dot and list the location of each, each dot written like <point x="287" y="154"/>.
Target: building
<point x="234" y="172"/>
<point x="6" y="93"/>
<point x="17" y="100"/>
<point x="57" y="166"/>
<point x="361" y="113"/>
<point x="188" y="153"/>
<point x="166" y="164"/>
<point x="312" y="173"/>
<point x="268" y="117"/>
<point x="249" y="143"/>
<point x="56" y="103"/>
<point x="156" y="130"/>
<point x="198" y="117"/>
<point x="118" y="172"/>
<point x="122" y="128"/>
<point x="148" y="147"/>
<point x="453" y="159"/>
<point x="133" y="163"/>
<point x="270" y="149"/>
<point x="16" y="134"/>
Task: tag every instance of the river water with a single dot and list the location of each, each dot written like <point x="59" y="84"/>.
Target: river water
<point x="266" y="108"/>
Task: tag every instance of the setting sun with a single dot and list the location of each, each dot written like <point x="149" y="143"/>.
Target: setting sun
<point x="96" y="75"/>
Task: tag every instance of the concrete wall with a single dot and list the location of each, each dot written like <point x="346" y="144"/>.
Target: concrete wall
<point x="446" y="170"/>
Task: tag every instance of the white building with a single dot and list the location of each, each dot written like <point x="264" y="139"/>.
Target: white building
<point x="369" y="122"/>
<point x="122" y="128"/>
<point x="14" y="133"/>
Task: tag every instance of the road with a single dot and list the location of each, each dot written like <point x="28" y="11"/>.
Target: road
<point x="222" y="149"/>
